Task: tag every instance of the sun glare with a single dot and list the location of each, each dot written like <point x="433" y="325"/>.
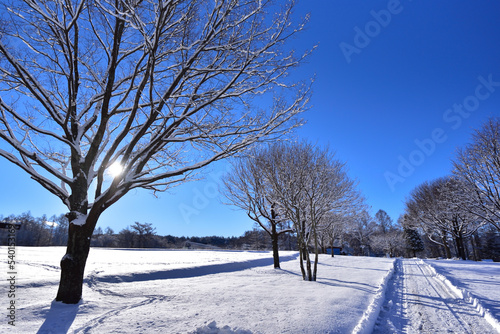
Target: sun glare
<point x="115" y="169"/>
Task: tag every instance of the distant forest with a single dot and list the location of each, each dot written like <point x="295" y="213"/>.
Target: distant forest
<point x="53" y="231"/>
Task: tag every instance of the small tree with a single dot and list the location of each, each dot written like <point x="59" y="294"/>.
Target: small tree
<point x="360" y="231"/>
<point x="334" y="227"/>
<point x="101" y="97"/>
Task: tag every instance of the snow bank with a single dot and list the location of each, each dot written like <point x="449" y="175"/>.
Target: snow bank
<point x="367" y="322"/>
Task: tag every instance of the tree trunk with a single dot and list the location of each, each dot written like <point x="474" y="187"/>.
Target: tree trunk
<point x="73" y="265"/>
<point x="289" y="238"/>
<point x="77" y="251"/>
<point x="276" y="255"/>
<point x="446" y="248"/>
<point x="302" y="270"/>
<point x="475" y="247"/>
<point x="331" y="247"/>
<point x="460" y="247"/>
<point x="274" y="239"/>
<point x="316" y="252"/>
<point x="308" y="264"/>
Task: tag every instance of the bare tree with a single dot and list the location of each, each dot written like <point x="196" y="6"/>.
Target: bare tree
<point x="391" y="243"/>
<point x="247" y="188"/>
<point x="439" y="208"/>
<point x="334" y="227"/>
<point x="360" y="231"/>
<point x="422" y="210"/>
<point x="144" y="233"/>
<point x="154" y="90"/>
<point x="384" y="221"/>
<point x="478" y="165"/>
<point x="388" y="238"/>
<point x="308" y="183"/>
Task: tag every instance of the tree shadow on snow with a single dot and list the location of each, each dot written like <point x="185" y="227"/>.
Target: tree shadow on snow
<point x="193" y="271"/>
<point x="59" y="318"/>
<point x="348" y="284"/>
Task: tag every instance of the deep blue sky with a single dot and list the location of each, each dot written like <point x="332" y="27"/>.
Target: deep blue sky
<point x="429" y="73"/>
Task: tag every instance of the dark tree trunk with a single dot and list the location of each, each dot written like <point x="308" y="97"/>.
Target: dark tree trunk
<point x="276" y="255"/>
<point x="459" y="240"/>
<point x="460" y="247"/>
<point x="475" y="247"/>
<point x="316" y="252"/>
<point x="73" y="265"/>
<point x="308" y="264"/>
<point x="73" y="262"/>
<point x="302" y="258"/>
<point x="331" y="247"/>
<point x="274" y="239"/>
<point x="80" y="231"/>
<point x="446" y="248"/>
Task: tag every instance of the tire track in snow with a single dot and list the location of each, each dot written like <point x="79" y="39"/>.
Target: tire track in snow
<point x="418" y="301"/>
<point x="455" y="312"/>
<point x="392" y="317"/>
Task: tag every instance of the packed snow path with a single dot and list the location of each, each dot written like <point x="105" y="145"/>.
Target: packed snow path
<point x="417" y="301"/>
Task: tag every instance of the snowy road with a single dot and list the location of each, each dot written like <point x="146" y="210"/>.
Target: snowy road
<point x="417" y="301"/>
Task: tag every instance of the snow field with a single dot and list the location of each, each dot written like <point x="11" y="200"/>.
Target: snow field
<point x="205" y="292"/>
<point x="165" y="291"/>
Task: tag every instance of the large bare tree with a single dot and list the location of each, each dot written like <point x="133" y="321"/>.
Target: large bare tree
<point x="478" y="165"/>
<point x="153" y="88"/>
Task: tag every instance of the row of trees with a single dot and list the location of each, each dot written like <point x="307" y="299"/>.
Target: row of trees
<point x="461" y="212"/>
<point x="377" y="236"/>
<point x="373" y="236"/>
<point x="36" y="231"/>
<point x="53" y="231"/>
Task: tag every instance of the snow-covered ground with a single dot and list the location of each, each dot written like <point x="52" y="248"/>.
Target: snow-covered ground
<point x="162" y="291"/>
<point x="166" y="291"/>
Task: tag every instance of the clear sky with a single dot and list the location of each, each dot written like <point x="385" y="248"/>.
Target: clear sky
<point x="399" y="86"/>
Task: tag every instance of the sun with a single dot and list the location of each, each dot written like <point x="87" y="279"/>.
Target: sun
<point x="115" y="169"/>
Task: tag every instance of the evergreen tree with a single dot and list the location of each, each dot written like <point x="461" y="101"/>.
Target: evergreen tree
<point x="413" y="241"/>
